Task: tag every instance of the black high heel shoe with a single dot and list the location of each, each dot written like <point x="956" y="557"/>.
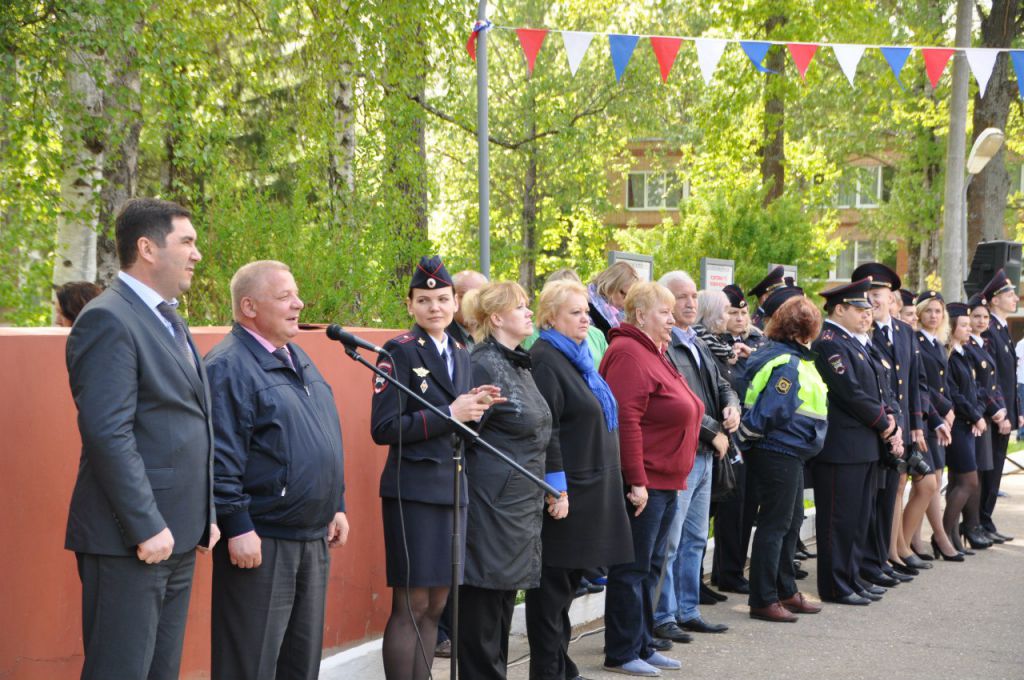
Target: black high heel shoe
<point x="926" y="556"/>
<point x="975" y="538"/>
<point x="904" y="569"/>
<point x="948" y="558"/>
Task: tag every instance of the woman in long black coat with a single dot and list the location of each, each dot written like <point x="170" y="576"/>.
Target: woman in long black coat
<point x="584" y="445"/>
<point x="503" y="544"/>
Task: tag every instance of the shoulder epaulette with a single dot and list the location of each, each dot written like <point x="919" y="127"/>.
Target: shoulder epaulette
<point x="404" y="338"/>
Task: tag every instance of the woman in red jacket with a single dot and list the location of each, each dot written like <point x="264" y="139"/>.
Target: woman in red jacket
<point x="659" y="421"/>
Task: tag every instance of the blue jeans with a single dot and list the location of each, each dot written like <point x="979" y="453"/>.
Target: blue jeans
<point x="681" y="555"/>
<point x="627" y="605"/>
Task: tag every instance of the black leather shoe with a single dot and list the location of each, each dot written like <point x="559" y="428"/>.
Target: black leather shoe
<point x="904" y="569"/>
<point x="956" y="557"/>
<point x="802" y="552"/>
<point x="883" y="580"/>
<point x="915" y="562"/>
<point x="853" y="598"/>
<point x="1006" y="538"/>
<point x="699" y="625"/>
<point x="872" y="588"/>
<point x="992" y="537"/>
<point x="670" y="631"/>
<point x="867" y="595"/>
<point x="705" y="591"/>
<point x="902" y="578"/>
<point x="660" y="645"/>
<point x="743" y="588"/>
<point x="977" y="539"/>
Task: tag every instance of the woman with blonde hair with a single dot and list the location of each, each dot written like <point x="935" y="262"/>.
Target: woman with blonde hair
<point x="659" y="422"/>
<point x="608" y="295"/>
<point x="585" y="446"/>
<point x="503" y="528"/>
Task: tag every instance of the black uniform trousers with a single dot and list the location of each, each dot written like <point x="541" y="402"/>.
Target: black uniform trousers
<point x="779" y="480"/>
<point x="133" y="615"/>
<point x="843" y="497"/>
<point x="732" y="533"/>
<point x="876" y="549"/>
<point x="268" y="622"/>
<point x="548" y="627"/>
<point x="990" y="479"/>
<point x="485" y="621"/>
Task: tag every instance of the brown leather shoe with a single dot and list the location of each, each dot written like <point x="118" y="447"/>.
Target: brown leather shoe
<point x="798" y="604"/>
<point x="774" y="612"/>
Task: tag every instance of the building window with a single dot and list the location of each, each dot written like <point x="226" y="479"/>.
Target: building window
<point x="854" y="255"/>
<point x="864" y="187"/>
<point x="655" y="191"/>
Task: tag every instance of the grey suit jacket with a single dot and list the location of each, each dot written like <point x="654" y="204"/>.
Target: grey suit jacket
<point x="147" y="437"/>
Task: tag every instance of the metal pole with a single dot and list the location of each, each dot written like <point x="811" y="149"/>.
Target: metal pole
<point x="954" y="236"/>
<point x="965" y="262"/>
<point x="483" y="152"/>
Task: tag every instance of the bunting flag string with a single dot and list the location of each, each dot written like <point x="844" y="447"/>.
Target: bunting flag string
<point x="621" y="46"/>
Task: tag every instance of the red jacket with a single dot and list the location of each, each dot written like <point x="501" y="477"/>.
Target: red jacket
<point x="659" y="416"/>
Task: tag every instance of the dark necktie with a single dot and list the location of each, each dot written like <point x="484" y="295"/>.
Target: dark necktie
<point x="180" y="334"/>
<point x="449" y="362"/>
<point x="284" y="356"/>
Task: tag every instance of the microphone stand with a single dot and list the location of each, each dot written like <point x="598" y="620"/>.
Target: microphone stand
<point x="464" y="433"/>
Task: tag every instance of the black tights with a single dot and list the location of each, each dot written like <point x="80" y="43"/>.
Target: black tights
<point x="404" y="656"/>
<point x="963" y="486"/>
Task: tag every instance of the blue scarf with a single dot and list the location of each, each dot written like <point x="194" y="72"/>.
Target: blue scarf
<point x="579" y="356"/>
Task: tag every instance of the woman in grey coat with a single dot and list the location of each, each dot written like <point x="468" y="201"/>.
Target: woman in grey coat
<point x="503" y="545"/>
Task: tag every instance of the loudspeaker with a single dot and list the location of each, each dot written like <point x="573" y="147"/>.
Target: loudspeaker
<point x="990" y="257"/>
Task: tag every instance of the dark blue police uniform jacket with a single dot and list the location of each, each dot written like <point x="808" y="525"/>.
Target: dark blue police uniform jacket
<point x="427" y="440"/>
<point x="999" y="344"/>
<point x="901" y="353"/>
<point x="934" y="373"/>
<point x="857" y="407"/>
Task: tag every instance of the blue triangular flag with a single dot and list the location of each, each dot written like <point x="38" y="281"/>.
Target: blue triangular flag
<point x="756" y="51"/>
<point x="621" y="47"/>
<point x="1017" y="56"/>
<point x="897" y="57"/>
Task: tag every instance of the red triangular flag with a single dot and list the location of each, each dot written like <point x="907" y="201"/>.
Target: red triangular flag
<point x="802" y="54"/>
<point x="531" y="39"/>
<point x="471" y="45"/>
<point x="666" y="50"/>
<point x="935" y="60"/>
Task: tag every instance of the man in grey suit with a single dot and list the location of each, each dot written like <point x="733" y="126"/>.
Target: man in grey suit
<point x="143" y="500"/>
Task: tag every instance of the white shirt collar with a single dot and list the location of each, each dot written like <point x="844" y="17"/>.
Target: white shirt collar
<point x="149" y="296"/>
<point x="1002" y="324"/>
<point x="441" y="344"/>
<point x="978" y="339"/>
<point x="959" y="349"/>
<point x="928" y="336"/>
<point x="885" y="324"/>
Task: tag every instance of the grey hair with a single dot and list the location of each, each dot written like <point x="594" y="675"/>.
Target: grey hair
<point x="676" y="276"/>
<point x="712" y="306"/>
<point x="248" y="279"/>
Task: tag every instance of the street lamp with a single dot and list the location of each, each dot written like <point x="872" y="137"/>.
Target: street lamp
<point x="986" y="146"/>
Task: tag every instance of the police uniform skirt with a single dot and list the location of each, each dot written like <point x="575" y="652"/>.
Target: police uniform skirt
<point x="983" y="448"/>
<point x="960" y="456"/>
<point x="936" y="454"/>
<point x="427" y="538"/>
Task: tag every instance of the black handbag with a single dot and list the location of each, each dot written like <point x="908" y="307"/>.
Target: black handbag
<point x="723" y="477"/>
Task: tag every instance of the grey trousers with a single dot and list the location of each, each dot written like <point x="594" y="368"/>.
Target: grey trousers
<point x="268" y="622"/>
<point x="133" y="615"/>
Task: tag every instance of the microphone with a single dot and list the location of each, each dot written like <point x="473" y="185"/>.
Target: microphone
<point x="336" y="332"/>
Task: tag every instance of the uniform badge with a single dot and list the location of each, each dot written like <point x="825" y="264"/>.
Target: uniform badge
<point x="380" y="383"/>
<point x="458" y="345"/>
<point x="423" y="386"/>
<point x="423" y="343"/>
<point x="783" y="386"/>
<point x="421" y="372"/>
<point x="431" y="283"/>
<point x="860" y="356"/>
<point x="984" y="364"/>
<point x="836" y="362"/>
<point x="886" y="364"/>
<point x="828" y="335"/>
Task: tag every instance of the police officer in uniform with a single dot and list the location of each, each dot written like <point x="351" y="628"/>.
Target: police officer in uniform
<point x="761" y="290"/>
<point x="859" y="423"/>
<point x="416" y="484"/>
<point x="897" y="350"/>
<point x="1001" y="297"/>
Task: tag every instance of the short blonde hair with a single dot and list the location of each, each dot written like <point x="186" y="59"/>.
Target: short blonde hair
<point x="493" y="298"/>
<point x="644" y="296"/>
<point x="712" y="310"/>
<point x="248" y="279"/>
<point x="564" y="274"/>
<point x="943" y="329"/>
<point x="554" y="296"/>
<point x="614" y="278"/>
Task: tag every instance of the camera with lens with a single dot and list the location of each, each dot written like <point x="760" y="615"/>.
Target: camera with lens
<point x="917" y="466"/>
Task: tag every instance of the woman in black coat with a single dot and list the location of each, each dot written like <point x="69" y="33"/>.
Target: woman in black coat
<point x="503" y="545"/>
<point x="584" y="445"/>
<point x="968" y="425"/>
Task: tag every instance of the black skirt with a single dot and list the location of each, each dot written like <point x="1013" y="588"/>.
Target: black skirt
<point x="936" y="454"/>
<point x="960" y="453"/>
<point x="428" y="539"/>
<point x="983" y="448"/>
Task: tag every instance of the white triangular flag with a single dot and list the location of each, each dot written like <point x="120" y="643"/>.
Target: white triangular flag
<point x="849" y="56"/>
<point x="709" y="53"/>
<point x="982" y="61"/>
<point x="576" y="44"/>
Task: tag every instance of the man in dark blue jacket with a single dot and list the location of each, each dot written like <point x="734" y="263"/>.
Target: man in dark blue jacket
<point x="278" y="486"/>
